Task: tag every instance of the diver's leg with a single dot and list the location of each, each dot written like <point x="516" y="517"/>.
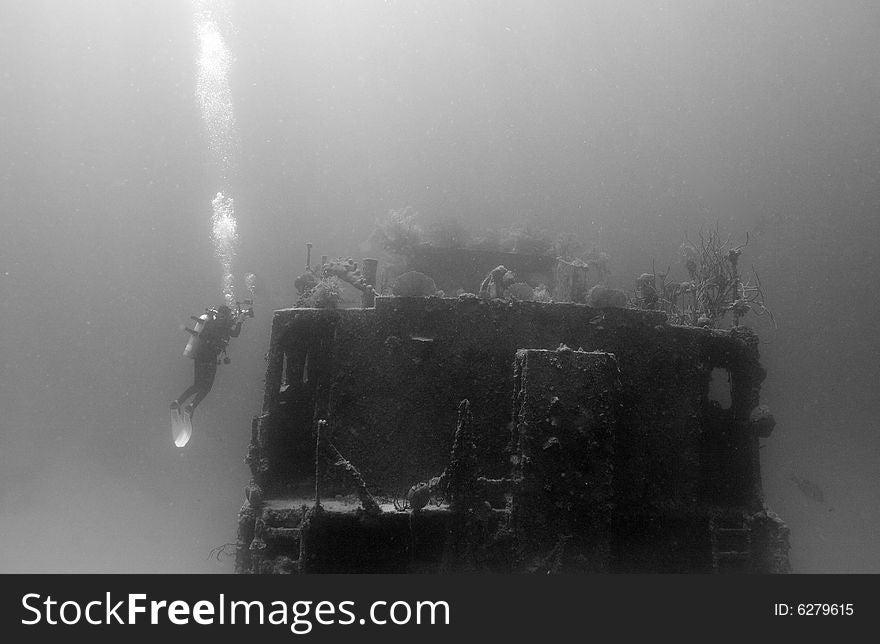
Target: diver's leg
<point x="199" y="397"/>
<point x="204" y="381"/>
<point x="193" y="389"/>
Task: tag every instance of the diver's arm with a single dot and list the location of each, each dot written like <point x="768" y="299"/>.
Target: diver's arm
<point x="236" y="329"/>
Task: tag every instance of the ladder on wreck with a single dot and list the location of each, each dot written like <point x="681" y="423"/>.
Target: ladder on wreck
<point x="731" y="541"/>
<point x="277" y="543"/>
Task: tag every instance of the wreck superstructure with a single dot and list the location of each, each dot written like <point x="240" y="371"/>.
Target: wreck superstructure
<point x="446" y="434"/>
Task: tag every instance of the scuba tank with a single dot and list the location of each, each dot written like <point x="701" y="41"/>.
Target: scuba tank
<point x="194" y="341"/>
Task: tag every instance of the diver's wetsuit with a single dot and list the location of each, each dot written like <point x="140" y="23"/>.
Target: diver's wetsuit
<point x="213" y="337"/>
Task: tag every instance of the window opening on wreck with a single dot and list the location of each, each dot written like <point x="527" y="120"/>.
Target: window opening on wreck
<point x="719" y="387"/>
<point x="283" y="387"/>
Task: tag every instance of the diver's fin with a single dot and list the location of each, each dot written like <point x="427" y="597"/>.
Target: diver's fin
<point x="181" y="428"/>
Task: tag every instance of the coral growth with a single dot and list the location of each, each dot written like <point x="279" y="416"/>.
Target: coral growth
<point x="320" y="287"/>
<point x="715" y="287"/>
<point x="496" y="283"/>
<point x="325" y="294"/>
<point x="413" y="284"/>
<point x="542" y="293"/>
<point x="398" y="232"/>
<point x="520" y="291"/>
<point x="347" y="270"/>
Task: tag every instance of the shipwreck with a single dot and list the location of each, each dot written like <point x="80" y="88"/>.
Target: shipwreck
<point x="466" y="430"/>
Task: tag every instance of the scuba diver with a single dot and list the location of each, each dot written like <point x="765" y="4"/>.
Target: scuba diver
<point x="208" y="340"/>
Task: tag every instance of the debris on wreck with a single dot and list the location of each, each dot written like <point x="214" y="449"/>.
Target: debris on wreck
<point x="762" y="421"/>
<point x="420" y="494"/>
<point x="646" y="290"/>
<point x="571" y="280"/>
<point x="222" y="552"/>
<point x="325" y="444"/>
